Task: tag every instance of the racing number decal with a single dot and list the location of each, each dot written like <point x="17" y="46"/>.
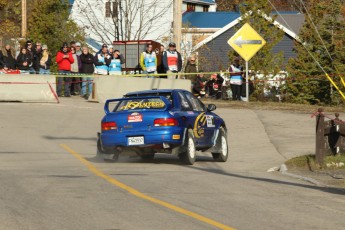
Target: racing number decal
<point x="210" y="121"/>
<point x="199" y="125"/>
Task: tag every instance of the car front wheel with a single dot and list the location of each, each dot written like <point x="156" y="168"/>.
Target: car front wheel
<point x="188" y="157"/>
<point x="222" y="142"/>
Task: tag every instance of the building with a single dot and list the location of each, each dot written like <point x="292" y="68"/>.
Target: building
<point x="105" y="21"/>
<point x="214" y="46"/>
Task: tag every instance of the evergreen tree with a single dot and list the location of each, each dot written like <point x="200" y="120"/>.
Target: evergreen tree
<point x="10" y="18"/>
<point x="307" y="82"/>
<point x="49" y="23"/>
<point x="265" y="62"/>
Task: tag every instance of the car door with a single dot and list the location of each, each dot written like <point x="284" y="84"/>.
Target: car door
<point x="189" y="116"/>
<point x="204" y="126"/>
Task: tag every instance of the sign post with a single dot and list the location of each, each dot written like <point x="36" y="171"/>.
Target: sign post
<point x="246" y="42"/>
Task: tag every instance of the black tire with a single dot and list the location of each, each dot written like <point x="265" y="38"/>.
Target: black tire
<point x="100" y="154"/>
<point x="222" y="142"/>
<point x="189" y="156"/>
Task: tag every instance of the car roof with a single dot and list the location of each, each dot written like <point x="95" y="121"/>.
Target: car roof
<point x="158" y="91"/>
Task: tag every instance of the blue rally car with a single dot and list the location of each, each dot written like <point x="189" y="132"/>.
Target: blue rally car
<point x="161" y="121"/>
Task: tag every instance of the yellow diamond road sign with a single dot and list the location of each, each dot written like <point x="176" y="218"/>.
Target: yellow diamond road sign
<point x="246" y="42"/>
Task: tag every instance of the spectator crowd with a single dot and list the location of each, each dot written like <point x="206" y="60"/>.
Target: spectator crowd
<point x="73" y="59"/>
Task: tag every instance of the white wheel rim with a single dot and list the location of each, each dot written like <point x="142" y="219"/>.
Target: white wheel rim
<point x="224" y="147"/>
<point x="191" y="148"/>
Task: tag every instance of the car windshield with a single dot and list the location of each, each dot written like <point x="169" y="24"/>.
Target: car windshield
<point x="140" y="104"/>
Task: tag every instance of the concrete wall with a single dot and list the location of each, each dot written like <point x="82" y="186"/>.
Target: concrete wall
<point x="27" y="88"/>
<point x="107" y="87"/>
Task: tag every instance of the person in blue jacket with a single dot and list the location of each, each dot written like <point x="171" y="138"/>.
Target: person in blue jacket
<point x="102" y="60"/>
<point x="116" y="63"/>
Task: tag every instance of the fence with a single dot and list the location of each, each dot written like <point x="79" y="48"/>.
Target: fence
<point x="330" y="136"/>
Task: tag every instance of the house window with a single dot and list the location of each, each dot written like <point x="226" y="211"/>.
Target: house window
<point x="205" y="8"/>
<point x="190" y="7"/>
<point x="107" y="9"/>
<point x="111" y="12"/>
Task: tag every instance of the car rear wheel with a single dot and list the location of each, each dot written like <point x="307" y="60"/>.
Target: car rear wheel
<point x="188" y="157"/>
<point x="112" y="156"/>
<point x="222" y="142"/>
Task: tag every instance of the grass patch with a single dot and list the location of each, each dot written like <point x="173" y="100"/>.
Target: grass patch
<point x="309" y="162"/>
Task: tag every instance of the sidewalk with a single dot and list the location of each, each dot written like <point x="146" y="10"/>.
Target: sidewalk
<point x="263" y="139"/>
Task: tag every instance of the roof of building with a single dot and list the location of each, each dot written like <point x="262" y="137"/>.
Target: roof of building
<point x="209" y="19"/>
<point x="289" y="23"/>
<point x="205" y="2"/>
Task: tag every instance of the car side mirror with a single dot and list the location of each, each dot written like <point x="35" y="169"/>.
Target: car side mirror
<point x="211" y="107"/>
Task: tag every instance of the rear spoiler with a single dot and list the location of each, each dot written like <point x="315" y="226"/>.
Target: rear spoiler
<point x="167" y="103"/>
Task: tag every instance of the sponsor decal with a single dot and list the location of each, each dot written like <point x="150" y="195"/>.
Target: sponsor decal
<point x="190" y="112"/>
<point x="135" y="117"/>
<point x="143" y="105"/>
<point x="199" y="125"/>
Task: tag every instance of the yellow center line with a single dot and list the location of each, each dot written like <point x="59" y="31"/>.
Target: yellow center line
<point x="136" y="193"/>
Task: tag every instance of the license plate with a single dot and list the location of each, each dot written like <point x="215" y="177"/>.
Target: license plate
<point x="136" y="140"/>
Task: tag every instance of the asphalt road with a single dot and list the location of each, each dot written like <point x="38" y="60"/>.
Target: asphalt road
<point x="51" y="179"/>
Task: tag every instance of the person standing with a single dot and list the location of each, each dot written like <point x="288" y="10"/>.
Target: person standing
<point x="64" y="59"/>
<point x="191" y="67"/>
<point x="102" y="60"/>
<point x="236" y="79"/>
<point x="78" y="50"/>
<point x="37" y="54"/>
<point x="87" y="67"/>
<point x="172" y="60"/>
<point x="75" y="84"/>
<point x="160" y="66"/>
<point x="45" y="61"/>
<point x="8" y="58"/>
<point x="148" y="61"/>
<point x="30" y="52"/>
<point x="115" y="66"/>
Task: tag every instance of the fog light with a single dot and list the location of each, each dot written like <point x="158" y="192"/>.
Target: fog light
<point x="176" y="137"/>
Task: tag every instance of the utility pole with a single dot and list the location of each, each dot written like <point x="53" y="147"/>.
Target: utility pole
<point x="177" y="23"/>
<point x="24" y="19"/>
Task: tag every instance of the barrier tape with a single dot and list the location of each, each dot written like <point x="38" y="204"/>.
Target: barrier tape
<point x="327" y="116"/>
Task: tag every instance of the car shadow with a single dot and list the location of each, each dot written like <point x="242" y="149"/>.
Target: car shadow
<point x="333" y="190"/>
<point x="71" y="138"/>
<point x="158" y="159"/>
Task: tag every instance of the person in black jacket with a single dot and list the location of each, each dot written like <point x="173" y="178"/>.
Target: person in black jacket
<point x="214" y="86"/>
<point x="37" y="54"/>
<point x="24" y="60"/>
<point x="9" y="61"/>
<point x="87" y="67"/>
<point x="2" y="64"/>
<point x="30" y="52"/>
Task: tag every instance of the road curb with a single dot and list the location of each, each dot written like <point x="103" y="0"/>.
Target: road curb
<point x="284" y="170"/>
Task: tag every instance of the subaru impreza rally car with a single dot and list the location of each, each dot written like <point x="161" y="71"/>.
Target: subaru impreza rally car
<point x="169" y="121"/>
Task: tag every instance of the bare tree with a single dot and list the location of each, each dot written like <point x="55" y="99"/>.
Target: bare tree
<point x="109" y="20"/>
